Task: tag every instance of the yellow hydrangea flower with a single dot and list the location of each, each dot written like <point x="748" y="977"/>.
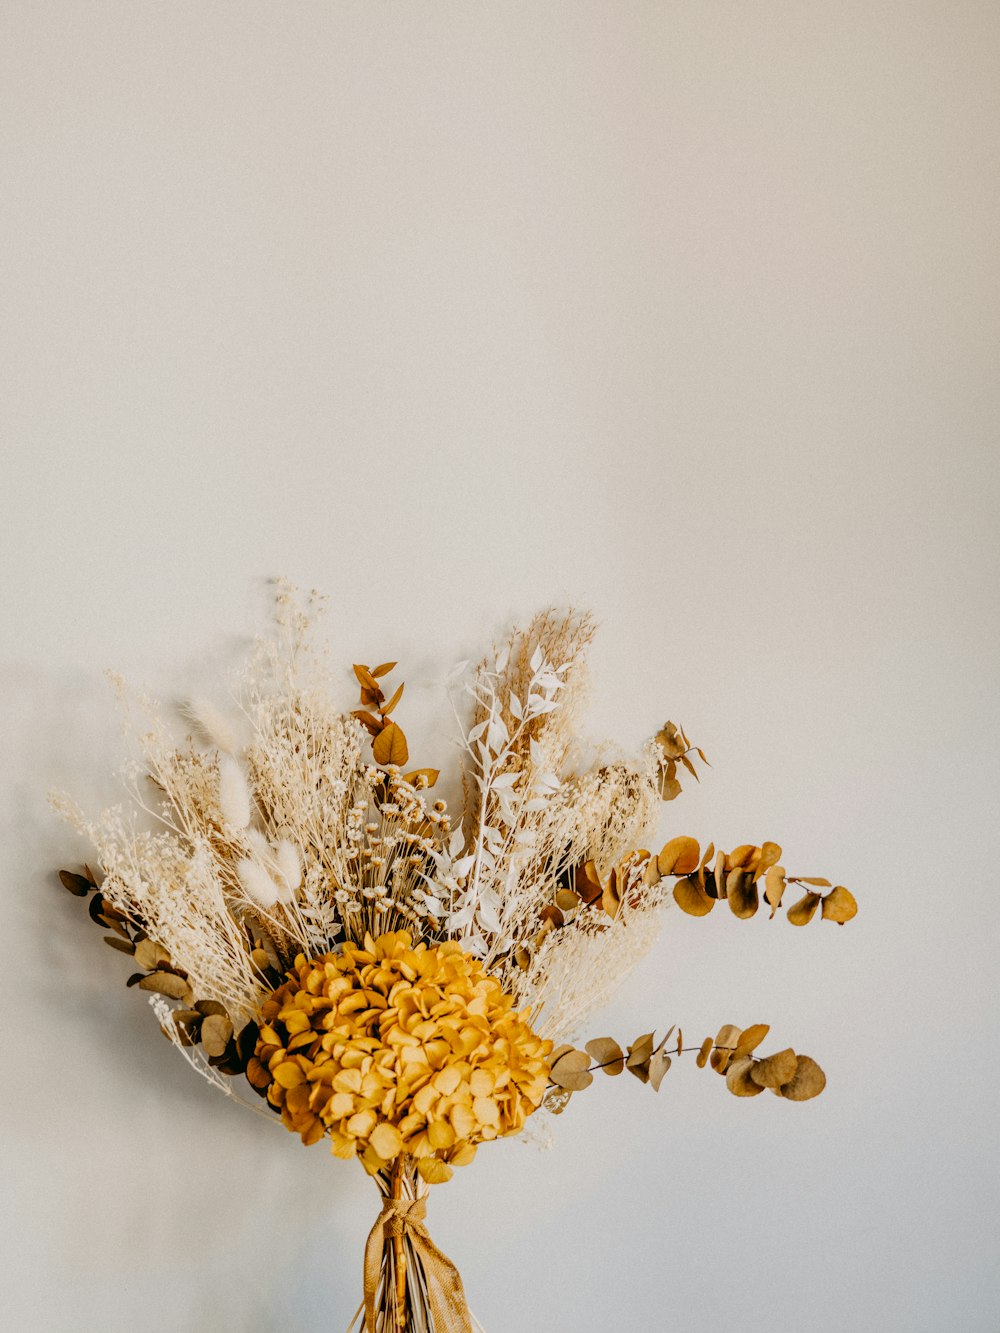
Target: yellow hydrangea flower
<point x="400" y="1048"/>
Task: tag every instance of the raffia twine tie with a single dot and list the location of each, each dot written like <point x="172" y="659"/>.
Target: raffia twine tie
<point x="405" y="1217"/>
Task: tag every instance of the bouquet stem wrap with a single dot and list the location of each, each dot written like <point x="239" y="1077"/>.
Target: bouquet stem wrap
<point x="410" y="1286"/>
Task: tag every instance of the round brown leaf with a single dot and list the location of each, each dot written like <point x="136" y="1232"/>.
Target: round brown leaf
<point x="770" y="854"/>
<point x="76" y="884"/>
<point x="680" y="856"/>
<point x="116" y="942"/>
<point x="725" y="1044"/>
<point x="839" y="905"/>
<point x="775" y="1070"/>
<point x="741" y="892"/>
<point x="704" y="1053"/>
<point x="774" y="887"/>
<point x="610" y="897"/>
<point x="606" y="1052"/>
<point x="670" y="789"/>
<point x="389" y="746"/>
<point x="750" y="1038"/>
<point x="148" y="953"/>
<point x="572" y="1071"/>
<point x="216" y="1031"/>
<point x="690" y="897"/>
<point x="659" y="1063"/>
<point x="166" y="983"/>
<point x="741" y="856"/>
<point x="738" y="1079"/>
<point x="802" y="912"/>
<point x="651" y="873"/>
<point x="807" y="1082"/>
<point x="588" y="882"/>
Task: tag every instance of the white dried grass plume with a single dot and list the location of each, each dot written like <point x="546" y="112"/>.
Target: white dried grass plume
<point x="257" y="883"/>
<point x="212" y="726"/>
<point x="578" y="969"/>
<point x="234" y="794"/>
<point x="289" y="866"/>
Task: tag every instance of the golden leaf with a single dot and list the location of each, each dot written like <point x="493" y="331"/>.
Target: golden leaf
<point x="433" y="1170"/>
<point x="522" y="958"/>
<point x="750" y="1038"/>
<point x="610" y="897"/>
<point x="572" y="1071"/>
<point x="389" y="746"/>
<point x="639" y="1055"/>
<point x="370" y="690"/>
<point x="566" y="899"/>
<point x="704" y="1053"/>
<point x="430" y="774"/>
<point x="839" y="905"/>
<point x="802" y="912"/>
<point x="740" y="856"/>
<point x="383" y="668"/>
<point x="680" y="856"/>
<point x="670" y="789"/>
<point x="386" y="1140"/>
<point x="741" y="892"/>
<point x="651" y="873"/>
<point x="659" y="1063"/>
<point x="387" y="708"/>
<point x="166" y="983"/>
<point x="807" y="1082"/>
<point x="216" y="1031"/>
<point x="606" y="1052"/>
<point x="775" y="1070"/>
<point x="690" y="897"/>
<point x="739" y="1081"/>
<point x="370" y="723"/>
<point x="725" y="1043"/>
<point x="258" y="1075"/>
<point x="770" y="854"/>
<point x="774" y="887"/>
<point x="588" y="882"/>
<point x="148" y="954"/>
<point x="670" y="741"/>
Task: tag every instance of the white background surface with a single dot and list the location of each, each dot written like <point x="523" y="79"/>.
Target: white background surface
<point x="686" y="313"/>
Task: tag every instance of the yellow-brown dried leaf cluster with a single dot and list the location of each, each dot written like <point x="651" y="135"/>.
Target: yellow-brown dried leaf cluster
<point x="399" y="1048"/>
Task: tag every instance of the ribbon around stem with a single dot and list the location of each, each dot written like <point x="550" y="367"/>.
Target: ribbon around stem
<point x="445" y="1292"/>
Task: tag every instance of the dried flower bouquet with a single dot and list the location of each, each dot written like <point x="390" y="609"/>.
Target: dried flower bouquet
<point x="311" y="924"/>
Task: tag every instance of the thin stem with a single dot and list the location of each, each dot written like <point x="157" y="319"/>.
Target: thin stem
<point x="397" y="1245"/>
<point x="624" y="1056"/>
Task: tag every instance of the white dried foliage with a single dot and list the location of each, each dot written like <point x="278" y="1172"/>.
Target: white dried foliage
<point x="577" y="970"/>
<point x="290" y="839"/>
<point x="234" y="794"/>
<point x="213" y="727"/>
<point x="257" y="883"/>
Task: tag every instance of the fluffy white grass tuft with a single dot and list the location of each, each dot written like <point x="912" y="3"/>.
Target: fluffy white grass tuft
<point x="234" y="794"/>
<point x="212" y="726"/>
<point x="256" y="882"/>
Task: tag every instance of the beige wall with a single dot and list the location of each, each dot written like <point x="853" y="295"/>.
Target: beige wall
<point x="685" y="312"/>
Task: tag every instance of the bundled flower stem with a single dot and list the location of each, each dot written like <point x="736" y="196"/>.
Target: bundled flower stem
<point x="402" y="982"/>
